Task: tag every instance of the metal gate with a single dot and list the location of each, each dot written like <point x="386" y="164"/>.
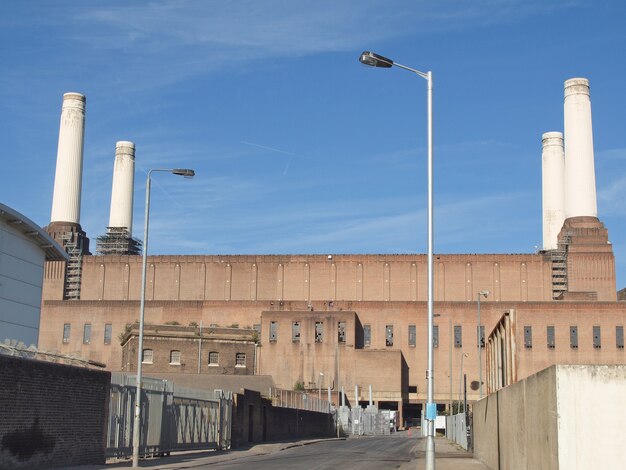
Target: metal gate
<point x="172" y="418"/>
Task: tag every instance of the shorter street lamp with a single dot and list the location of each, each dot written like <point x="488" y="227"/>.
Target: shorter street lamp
<point x="482" y="293"/>
<point x="187" y="173"/>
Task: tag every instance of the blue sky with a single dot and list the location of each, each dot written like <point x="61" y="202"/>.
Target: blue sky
<point x="299" y="148"/>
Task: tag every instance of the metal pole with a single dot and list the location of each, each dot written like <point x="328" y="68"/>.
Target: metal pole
<point x="200" y="348"/>
<point x="480" y="362"/>
<point x="450" y="359"/>
<point x="137" y="422"/>
<point x="431" y="407"/>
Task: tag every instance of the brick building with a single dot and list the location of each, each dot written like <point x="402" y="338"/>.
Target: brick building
<point x="190" y="349"/>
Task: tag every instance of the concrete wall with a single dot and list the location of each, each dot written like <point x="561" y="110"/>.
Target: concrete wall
<point x="565" y="417"/>
<point x="51" y="415"/>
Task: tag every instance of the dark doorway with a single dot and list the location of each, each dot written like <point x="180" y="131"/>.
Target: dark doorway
<point x="250" y="423"/>
<point x="264" y="423"/>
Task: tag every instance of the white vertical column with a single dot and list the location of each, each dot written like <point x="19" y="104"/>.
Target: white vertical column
<point x="69" y="169"/>
<point x="553" y="187"/>
<point x="580" y="179"/>
<point x="122" y="190"/>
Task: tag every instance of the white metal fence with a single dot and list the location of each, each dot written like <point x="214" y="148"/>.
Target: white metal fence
<point x="298" y="400"/>
<point x="172" y="418"/>
<point x="457" y="430"/>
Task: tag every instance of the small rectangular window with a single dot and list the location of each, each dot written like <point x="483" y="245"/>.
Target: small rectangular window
<point x="597" y="338"/>
<point x="240" y="360"/>
<point x="67" y="328"/>
<point x="87" y="333"/>
<point x="295" y="332"/>
<point x="573" y="337"/>
<point x="389" y="335"/>
<point x="435" y="336"/>
<point x="214" y="358"/>
<point x="458" y="336"/>
<point x="528" y="337"/>
<point x="273" y="331"/>
<point x="367" y="336"/>
<point x="550" y="337"/>
<point x="319" y="331"/>
<point x="619" y="337"/>
<point x="175" y="357"/>
<point x="147" y="356"/>
<point x="341" y="331"/>
<point x="412" y="335"/>
<point x="108" y="332"/>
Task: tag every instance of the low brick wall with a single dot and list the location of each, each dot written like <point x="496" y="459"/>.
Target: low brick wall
<point x="51" y="415"/>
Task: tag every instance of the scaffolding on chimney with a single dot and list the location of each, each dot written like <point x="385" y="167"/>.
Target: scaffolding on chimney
<point x="117" y="241"/>
<point x="74" y="266"/>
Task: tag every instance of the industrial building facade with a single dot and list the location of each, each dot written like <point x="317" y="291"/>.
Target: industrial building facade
<point x="350" y="321"/>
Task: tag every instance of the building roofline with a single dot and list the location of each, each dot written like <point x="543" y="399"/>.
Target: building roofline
<point x="52" y="250"/>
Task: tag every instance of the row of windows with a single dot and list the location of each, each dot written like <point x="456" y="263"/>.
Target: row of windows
<point x="67" y="330"/>
<point x="573" y="337"/>
<point x="176" y="357"/>
<point x="319" y="332"/>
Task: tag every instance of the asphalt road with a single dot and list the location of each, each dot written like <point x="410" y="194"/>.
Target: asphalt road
<point x="363" y="453"/>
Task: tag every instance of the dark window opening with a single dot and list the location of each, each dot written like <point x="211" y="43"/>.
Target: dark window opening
<point x="550" y="336"/>
<point x="597" y="338"/>
<point x="295" y="332"/>
<point x="458" y="336"/>
<point x="412" y="335"/>
<point x="389" y="335"/>
<point x="528" y="337"/>
<point x="319" y="331"/>
<point x="367" y="336"/>
<point x="573" y="337"/>
<point x="341" y="332"/>
<point x="273" y="331"/>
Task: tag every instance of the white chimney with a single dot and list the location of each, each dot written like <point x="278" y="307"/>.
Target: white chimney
<point x="121" y="214"/>
<point x="69" y="170"/>
<point x="553" y="190"/>
<point x="580" y="179"/>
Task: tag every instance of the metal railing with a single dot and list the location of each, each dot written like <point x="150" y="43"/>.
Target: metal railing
<point x="298" y="400"/>
<point x="172" y="418"/>
<point x="457" y="430"/>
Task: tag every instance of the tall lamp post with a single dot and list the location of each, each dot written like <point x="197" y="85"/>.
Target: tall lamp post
<point x="187" y="173"/>
<point x="482" y="293"/>
<point x="375" y="60"/>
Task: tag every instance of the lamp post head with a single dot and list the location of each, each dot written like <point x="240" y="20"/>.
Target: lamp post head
<point x="484" y="293"/>
<point x="185" y="172"/>
<point x="375" y="60"/>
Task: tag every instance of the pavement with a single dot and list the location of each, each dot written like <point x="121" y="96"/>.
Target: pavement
<point x="448" y="456"/>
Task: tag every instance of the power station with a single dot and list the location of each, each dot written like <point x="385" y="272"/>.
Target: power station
<point x="352" y="320"/>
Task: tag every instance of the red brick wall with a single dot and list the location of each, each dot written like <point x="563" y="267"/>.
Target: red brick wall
<point x="51" y="415"/>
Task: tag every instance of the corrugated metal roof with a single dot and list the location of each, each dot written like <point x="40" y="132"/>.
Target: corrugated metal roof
<point x="53" y="251"/>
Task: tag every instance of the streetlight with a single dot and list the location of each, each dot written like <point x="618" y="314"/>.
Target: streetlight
<point x="187" y="173"/>
<point x="482" y="293"/>
<point x="320" y="378"/>
<point x="375" y="60"/>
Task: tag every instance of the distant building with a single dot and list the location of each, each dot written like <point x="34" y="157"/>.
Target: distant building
<point x="24" y="250"/>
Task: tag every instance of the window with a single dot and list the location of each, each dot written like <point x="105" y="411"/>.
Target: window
<point x="147" y="356"/>
<point x="175" y="357"/>
<point x="619" y="337"/>
<point x="435" y="336"/>
<point x="550" y="337"/>
<point x="108" y="332"/>
<point x="367" y="336"/>
<point x="412" y="335"/>
<point x="295" y="332"/>
<point x="214" y="358"/>
<point x="67" y="328"/>
<point x="458" y="336"/>
<point x="528" y="337"/>
<point x="573" y="337"/>
<point x="389" y="335"/>
<point x="341" y="332"/>
<point x="87" y="333"/>
<point x="481" y="336"/>
<point x="319" y="331"/>
<point x="273" y="331"/>
<point x="240" y="360"/>
<point x="597" y="339"/>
